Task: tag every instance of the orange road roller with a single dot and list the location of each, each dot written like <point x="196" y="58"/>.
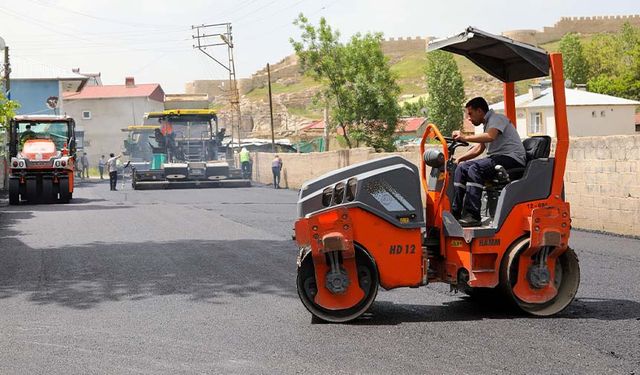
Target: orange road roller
<point x="388" y="222"/>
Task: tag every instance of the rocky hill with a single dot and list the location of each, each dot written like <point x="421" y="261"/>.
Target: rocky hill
<point x="293" y="93"/>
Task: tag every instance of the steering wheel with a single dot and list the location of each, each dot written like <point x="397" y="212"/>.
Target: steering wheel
<point x="453" y="141"/>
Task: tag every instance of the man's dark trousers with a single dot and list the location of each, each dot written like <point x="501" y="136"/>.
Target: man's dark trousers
<point x="469" y="180"/>
<point x="246" y="169"/>
<point x="113" y="179"/>
<point x="276" y="177"/>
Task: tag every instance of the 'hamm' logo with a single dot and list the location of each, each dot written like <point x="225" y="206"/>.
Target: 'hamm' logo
<point x="489" y="242"/>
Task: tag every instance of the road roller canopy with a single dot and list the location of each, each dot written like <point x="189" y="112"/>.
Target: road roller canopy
<point x="503" y="58"/>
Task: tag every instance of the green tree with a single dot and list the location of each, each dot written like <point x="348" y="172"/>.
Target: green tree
<point x="614" y="63"/>
<point x="359" y="87"/>
<point x="446" y="91"/>
<point x="7" y="111"/>
<point x="576" y="67"/>
<point x="415" y="109"/>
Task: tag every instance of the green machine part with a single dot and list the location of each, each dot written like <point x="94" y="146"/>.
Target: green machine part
<point x="158" y="160"/>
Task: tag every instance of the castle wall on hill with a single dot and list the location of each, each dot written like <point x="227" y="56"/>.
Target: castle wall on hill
<point x="287" y="70"/>
<point x="405" y="45"/>
<point x="216" y="88"/>
<point x="582" y="25"/>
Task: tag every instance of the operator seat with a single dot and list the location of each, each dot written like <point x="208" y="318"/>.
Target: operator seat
<point x="536" y="147"/>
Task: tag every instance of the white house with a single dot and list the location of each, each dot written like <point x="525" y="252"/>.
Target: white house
<point x="588" y="113"/>
<point x="103" y="111"/>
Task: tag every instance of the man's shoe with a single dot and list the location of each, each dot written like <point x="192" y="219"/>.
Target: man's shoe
<point x="469" y="221"/>
<point x="456" y="214"/>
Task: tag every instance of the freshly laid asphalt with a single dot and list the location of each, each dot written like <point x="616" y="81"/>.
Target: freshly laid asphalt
<point x="203" y="281"/>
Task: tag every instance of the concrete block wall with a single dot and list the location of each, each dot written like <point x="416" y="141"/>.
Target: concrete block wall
<point x="602" y="179"/>
<point x="298" y="168"/>
<point x="602" y="183"/>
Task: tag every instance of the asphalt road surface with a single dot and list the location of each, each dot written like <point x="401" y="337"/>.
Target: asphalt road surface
<point x="203" y="281"/>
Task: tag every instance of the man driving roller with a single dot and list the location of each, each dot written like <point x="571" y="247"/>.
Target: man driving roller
<point x="27" y="135"/>
<point x="504" y="147"/>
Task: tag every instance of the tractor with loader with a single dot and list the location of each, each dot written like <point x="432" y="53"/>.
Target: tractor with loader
<point x="366" y="225"/>
<point x="42" y="150"/>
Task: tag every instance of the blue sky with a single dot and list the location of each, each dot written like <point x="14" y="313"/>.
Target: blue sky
<point x="151" y="40"/>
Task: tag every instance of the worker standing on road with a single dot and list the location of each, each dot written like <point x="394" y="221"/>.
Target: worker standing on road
<point x="276" y="167"/>
<point x="112" y="164"/>
<point x="101" y="164"/>
<point x="85" y="165"/>
<point x="245" y="162"/>
<point x="504" y="147"/>
<point x="79" y="167"/>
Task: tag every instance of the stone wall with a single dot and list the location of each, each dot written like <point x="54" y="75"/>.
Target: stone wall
<point x="217" y="88"/>
<point x="405" y="45"/>
<point x="603" y="183"/>
<point x="602" y="178"/>
<point x="582" y="25"/>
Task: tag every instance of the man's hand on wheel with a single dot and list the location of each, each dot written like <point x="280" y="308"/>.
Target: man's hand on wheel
<point x="458" y="136"/>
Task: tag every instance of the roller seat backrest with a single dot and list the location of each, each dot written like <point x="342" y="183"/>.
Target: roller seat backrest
<point x="537" y="147"/>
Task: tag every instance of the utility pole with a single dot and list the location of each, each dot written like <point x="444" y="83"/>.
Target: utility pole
<point x="273" y="140"/>
<point x="7" y="90"/>
<point x="223" y="32"/>
<point x="7" y="72"/>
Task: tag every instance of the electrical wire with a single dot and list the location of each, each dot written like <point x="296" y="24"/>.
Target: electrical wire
<point x="270" y="15"/>
<point x="104" y="19"/>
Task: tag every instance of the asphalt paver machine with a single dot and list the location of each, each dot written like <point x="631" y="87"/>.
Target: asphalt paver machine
<point x="42" y="151"/>
<point x="187" y="153"/>
<point x="366" y="226"/>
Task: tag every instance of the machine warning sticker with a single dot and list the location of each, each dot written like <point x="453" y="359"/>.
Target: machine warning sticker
<point x="388" y="196"/>
<point x="456" y="243"/>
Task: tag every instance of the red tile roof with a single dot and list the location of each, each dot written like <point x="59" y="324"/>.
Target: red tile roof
<point x="315" y="125"/>
<point x="152" y="90"/>
<point x="410" y="124"/>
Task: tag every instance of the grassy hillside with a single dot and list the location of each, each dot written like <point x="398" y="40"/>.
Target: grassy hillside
<point x="409" y="68"/>
<point x="262" y="93"/>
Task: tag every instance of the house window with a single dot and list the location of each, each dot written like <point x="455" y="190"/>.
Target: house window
<point x="602" y="113"/>
<point x="638" y="127"/>
<point x="593" y="114"/>
<point x="535" y="125"/>
<point x="86" y="115"/>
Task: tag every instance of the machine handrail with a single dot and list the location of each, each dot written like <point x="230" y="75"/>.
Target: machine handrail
<point x="431" y="131"/>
